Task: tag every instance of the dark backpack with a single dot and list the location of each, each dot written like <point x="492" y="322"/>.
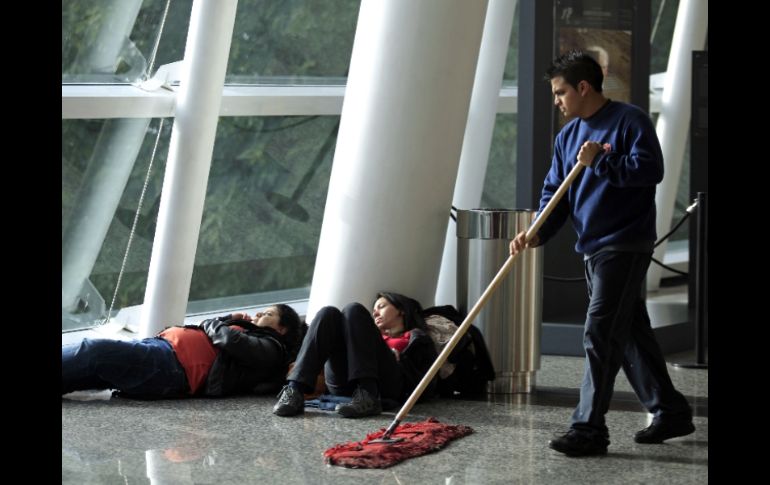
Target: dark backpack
<point x="473" y="366"/>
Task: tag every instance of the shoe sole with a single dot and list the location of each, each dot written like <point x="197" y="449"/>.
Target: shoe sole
<point x="286" y="414"/>
<point x="689" y="430"/>
<point x="573" y="453"/>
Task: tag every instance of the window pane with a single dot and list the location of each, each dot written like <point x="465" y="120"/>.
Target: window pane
<point x="260" y="227"/>
<point x="285" y="42"/>
<point x="263" y="211"/>
<point x="111" y="41"/>
<point x="104" y="165"/>
<point x="661" y="33"/>
<point x="500" y="180"/>
<point x="511" y="73"/>
<point x="292" y="42"/>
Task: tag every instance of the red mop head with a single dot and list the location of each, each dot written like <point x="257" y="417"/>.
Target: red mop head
<point x="417" y="439"/>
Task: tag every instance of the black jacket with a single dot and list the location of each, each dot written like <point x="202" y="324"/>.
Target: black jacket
<point x="253" y="361"/>
<point x="415" y="360"/>
<point x="473" y="364"/>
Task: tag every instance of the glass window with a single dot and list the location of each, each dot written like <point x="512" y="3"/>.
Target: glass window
<point x="263" y="212"/>
<point x="260" y="226"/>
<point x="104" y="166"/>
<point x="292" y="42"/>
<point x="269" y="175"/>
<point x="511" y="72"/>
<point x="500" y="179"/>
<point x="111" y="41"/>
<point x="661" y="33"/>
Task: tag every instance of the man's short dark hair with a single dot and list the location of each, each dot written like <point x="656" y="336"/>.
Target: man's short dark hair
<point x="576" y="66"/>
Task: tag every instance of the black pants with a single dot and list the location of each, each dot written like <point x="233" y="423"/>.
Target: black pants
<point x="348" y="346"/>
<point x="618" y="333"/>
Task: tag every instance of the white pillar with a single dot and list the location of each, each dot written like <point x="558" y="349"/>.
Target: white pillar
<point x="674" y="120"/>
<point x="398" y="150"/>
<point x="189" y="160"/>
<point x="478" y="134"/>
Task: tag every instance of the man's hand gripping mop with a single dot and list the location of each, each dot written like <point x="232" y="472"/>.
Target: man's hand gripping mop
<point x="387" y="447"/>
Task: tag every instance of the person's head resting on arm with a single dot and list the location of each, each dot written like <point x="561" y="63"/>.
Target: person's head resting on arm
<point x="283" y="319"/>
<point x="395" y="314"/>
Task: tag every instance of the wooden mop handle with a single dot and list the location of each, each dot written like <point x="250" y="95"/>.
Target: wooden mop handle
<point x="554" y="200"/>
<point x="442" y="357"/>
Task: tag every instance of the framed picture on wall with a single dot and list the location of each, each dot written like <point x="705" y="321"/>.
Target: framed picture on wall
<point x="603" y="29"/>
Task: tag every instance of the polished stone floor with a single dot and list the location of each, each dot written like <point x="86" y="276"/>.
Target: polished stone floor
<point x="238" y="440"/>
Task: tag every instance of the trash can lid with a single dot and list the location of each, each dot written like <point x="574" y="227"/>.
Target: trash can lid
<point x="488" y="223"/>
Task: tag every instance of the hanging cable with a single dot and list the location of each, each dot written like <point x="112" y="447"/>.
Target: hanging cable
<point x="669" y="268"/>
<point x="154" y="52"/>
<point x="146" y="76"/>
<point x="688" y="211"/>
<point x="133" y="226"/>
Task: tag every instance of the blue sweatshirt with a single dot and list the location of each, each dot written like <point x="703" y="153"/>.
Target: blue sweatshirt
<point x="612" y="203"/>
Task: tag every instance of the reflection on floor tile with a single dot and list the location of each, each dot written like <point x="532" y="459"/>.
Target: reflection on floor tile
<point x="239" y="440"/>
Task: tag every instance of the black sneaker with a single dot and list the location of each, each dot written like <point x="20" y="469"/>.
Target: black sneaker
<point x="363" y="404"/>
<point x="661" y="430"/>
<point x="576" y="443"/>
<point x="291" y="402"/>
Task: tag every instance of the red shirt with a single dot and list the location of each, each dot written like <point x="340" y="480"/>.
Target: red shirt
<point x="194" y="351"/>
<point x="399" y="343"/>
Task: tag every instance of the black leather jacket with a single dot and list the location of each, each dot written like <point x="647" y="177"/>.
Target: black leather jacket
<point x="253" y="361"/>
<point x="415" y="360"/>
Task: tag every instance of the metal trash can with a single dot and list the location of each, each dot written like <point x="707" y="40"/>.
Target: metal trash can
<point x="511" y="319"/>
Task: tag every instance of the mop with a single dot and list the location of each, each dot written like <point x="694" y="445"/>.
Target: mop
<point x="399" y="442"/>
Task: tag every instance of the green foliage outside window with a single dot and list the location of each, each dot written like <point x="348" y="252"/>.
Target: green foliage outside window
<point x="250" y="240"/>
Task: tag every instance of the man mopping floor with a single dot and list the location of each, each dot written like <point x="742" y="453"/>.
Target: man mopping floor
<point x="613" y="210"/>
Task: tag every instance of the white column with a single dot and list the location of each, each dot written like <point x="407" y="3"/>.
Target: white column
<point x="674" y="120"/>
<point x="398" y="150"/>
<point x="189" y="160"/>
<point x="478" y="134"/>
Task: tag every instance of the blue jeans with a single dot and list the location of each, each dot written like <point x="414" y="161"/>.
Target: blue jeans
<point x="145" y="368"/>
<point x="618" y="333"/>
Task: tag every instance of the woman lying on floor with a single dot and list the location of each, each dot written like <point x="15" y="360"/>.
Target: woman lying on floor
<point x="384" y="354"/>
<point x="232" y="354"/>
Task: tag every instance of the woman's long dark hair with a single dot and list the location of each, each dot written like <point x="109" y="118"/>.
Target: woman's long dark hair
<point x="293" y="325"/>
<point x="410" y="307"/>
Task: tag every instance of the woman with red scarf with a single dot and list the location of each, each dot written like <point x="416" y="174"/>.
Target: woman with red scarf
<point x="369" y="356"/>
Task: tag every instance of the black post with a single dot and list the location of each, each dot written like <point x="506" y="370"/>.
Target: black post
<point x="701" y="285"/>
<point x="701" y="280"/>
